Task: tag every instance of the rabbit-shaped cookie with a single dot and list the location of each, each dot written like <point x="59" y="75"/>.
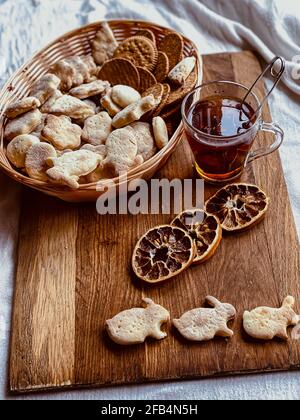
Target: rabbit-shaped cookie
<point x="134" y="325"/>
<point x="266" y="323"/>
<point x="203" y="324"/>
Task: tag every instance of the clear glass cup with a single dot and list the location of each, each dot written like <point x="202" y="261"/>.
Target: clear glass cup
<point x="219" y="158"/>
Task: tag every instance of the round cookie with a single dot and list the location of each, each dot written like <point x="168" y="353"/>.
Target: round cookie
<point x="140" y="50"/>
<point x="120" y="71"/>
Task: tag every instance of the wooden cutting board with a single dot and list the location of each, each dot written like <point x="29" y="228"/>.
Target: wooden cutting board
<point x="74" y="273"/>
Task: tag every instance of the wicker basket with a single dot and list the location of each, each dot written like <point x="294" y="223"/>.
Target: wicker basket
<point x="77" y="42"/>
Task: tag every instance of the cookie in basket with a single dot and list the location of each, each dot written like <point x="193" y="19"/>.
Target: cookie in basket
<point x="97" y="128"/>
<point x="21" y="106"/>
<point x="181" y="72"/>
<point x="157" y="91"/>
<point x="121" y="147"/>
<point x="108" y="104"/>
<point x="164" y="100"/>
<point x="147" y="33"/>
<point x="17" y="149"/>
<point x="72" y="107"/>
<point x="172" y="45"/>
<point x="119" y="71"/>
<point x="139" y="50"/>
<point x="61" y="132"/>
<point x="44" y="87"/>
<point x="124" y="95"/>
<point x="23" y="124"/>
<point x="68" y="168"/>
<point x="162" y="68"/>
<point x="87" y="90"/>
<point x="104" y="44"/>
<point x="147" y="79"/>
<point x="134" y="112"/>
<point x="145" y="140"/>
<point x="35" y="162"/>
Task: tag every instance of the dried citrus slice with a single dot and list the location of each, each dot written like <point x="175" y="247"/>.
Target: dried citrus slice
<point x="238" y="206"/>
<point x="162" y="253"/>
<point x="204" y="229"/>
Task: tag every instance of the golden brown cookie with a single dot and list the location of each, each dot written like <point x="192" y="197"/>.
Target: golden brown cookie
<point x="172" y="45"/>
<point x="146" y="79"/>
<point x="139" y="50"/>
<point x="164" y="100"/>
<point x="120" y="71"/>
<point x="162" y="68"/>
<point x="147" y="33"/>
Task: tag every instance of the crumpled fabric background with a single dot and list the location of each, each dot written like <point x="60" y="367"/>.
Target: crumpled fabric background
<point x="269" y="26"/>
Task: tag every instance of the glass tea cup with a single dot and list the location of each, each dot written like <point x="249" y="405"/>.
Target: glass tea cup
<point x="223" y="151"/>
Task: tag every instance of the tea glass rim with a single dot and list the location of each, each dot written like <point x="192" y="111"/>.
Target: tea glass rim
<point x="209" y="137"/>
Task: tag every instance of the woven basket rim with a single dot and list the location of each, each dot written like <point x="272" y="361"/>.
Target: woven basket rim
<point x="46" y="186"/>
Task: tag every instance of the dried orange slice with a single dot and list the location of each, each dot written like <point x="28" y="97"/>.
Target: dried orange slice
<point x="161" y="253"/>
<point x="204" y="229"/>
<point x="238" y="206"/>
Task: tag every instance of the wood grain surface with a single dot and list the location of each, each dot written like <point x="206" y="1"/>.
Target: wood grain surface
<point x="74" y="273"/>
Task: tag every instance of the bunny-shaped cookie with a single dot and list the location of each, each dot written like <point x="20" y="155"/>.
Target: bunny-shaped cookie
<point x="134" y="325"/>
<point x="266" y="323"/>
<point x="203" y="324"/>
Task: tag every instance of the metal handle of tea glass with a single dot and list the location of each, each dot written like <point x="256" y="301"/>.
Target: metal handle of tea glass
<point x="264" y="151"/>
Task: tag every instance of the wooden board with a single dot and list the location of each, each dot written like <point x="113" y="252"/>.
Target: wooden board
<point x="74" y="272"/>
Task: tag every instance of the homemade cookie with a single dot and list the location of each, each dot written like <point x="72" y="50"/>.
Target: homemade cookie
<point x="134" y="112"/>
<point x="139" y="50"/>
<point x="91" y="65"/>
<point x="104" y="44"/>
<point x="124" y="95"/>
<point x="172" y="45"/>
<point x="35" y="161"/>
<point x="204" y="324"/>
<point x="97" y="128"/>
<point x="146" y="79"/>
<point x="46" y="108"/>
<point x="44" y="87"/>
<point x="147" y="33"/>
<point x="162" y="68"/>
<point x="68" y="168"/>
<point x="38" y="130"/>
<point x="266" y="323"/>
<point x="108" y="104"/>
<point x="160" y="131"/>
<point x="121" y="146"/>
<point x="24" y="124"/>
<point x="18" y="148"/>
<point x="61" y="133"/>
<point x="72" y="107"/>
<point x="73" y="71"/>
<point x="181" y="72"/>
<point x="145" y="141"/>
<point x="120" y="71"/>
<point x="89" y="89"/>
<point x="100" y="149"/>
<point x="134" y="325"/>
<point x="21" y="107"/>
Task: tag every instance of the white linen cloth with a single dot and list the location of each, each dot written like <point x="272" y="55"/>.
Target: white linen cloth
<point x="272" y="27"/>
